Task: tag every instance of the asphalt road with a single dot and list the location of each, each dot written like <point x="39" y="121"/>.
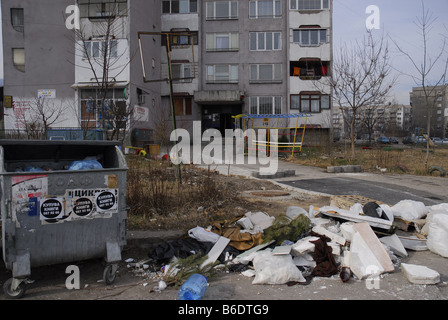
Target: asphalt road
<point x="381" y="191"/>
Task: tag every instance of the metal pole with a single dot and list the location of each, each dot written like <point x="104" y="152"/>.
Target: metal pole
<point x="173" y="113"/>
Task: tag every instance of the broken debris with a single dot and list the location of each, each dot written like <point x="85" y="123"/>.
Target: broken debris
<point x="357" y="241"/>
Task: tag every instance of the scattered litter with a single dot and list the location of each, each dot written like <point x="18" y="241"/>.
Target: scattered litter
<point x="354" y="237"/>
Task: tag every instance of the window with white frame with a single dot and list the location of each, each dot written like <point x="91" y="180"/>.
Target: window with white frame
<point x="179" y="6"/>
<point x="222" y="73"/>
<point x="265" y="73"/>
<point x="227" y="41"/>
<point x="309" y="37"/>
<point x="265" y="105"/>
<point x="265" y="41"/>
<point x="97" y="49"/>
<point x="313" y="102"/>
<point x="265" y="9"/>
<point x="95" y="115"/>
<point x="222" y="10"/>
<point x="309" y="4"/>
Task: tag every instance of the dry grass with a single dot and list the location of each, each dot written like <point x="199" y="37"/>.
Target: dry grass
<point x="408" y="160"/>
<point x="158" y="201"/>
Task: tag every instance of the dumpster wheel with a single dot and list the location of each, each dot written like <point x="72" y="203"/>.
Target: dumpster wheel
<point x="110" y="273"/>
<point x="16" y="293"/>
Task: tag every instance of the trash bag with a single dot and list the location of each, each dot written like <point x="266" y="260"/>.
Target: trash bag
<point x="285" y="229"/>
<point x="373" y="209"/>
<point x="183" y="248"/>
<point x="410" y="210"/>
<point x="275" y="269"/>
<point x="85" y="165"/>
<point x="437" y="240"/>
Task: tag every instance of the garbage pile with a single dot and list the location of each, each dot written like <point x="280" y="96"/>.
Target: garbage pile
<point x="353" y="242"/>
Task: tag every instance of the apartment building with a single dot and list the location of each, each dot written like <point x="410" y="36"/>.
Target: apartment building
<point x="227" y="58"/>
<point x="437" y="109"/>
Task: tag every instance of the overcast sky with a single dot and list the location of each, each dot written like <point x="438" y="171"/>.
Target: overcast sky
<point x="397" y="21"/>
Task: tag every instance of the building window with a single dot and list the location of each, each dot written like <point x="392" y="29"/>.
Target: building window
<point x="182" y="106"/>
<point x="312" y="102"/>
<point x="309" y="37"/>
<point x="181" y="38"/>
<point x="222" y="10"/>
<point x="97" y="49"/>
<point x="18" y="58"/>
<point x="102" y="9"/>
<point x="222" y="73"/>
<point x="309" y="4"/>
<point x="265" y="105"/>
<point x="222" y="41"/>
<point x="265" y="9"/>
<point x="265" y="41"/>
<point x="265" y="73"/>
<point x="17" y="19"/>
<point x="180" y="6"/>
<point x="309" y="69"/>
<point x="111" y="114"/>
<point x="182" y="72"/>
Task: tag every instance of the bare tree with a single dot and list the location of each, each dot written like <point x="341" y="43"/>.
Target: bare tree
<point x="360" y="78"/>
<point x="105" y="62"/>
<point x="429" y="70"/>
<point x="41" y="115"/>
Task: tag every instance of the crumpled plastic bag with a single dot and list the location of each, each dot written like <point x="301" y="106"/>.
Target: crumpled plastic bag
<point x="410" y="210"/>
<point x="203" y="235"/>
<point x="275" y="269"/>
<point x="85" y="165"/>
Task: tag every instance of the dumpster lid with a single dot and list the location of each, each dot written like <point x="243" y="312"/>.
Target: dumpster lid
<point x="58" y="142"/>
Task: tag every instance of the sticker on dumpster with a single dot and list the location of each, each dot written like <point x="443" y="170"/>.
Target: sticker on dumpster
<point x="91" y="203"/>
<point x="83" y="207"/>
<point x="51" y="209"/>
<point x="106" y="201"/>
<point x="26" y="190"/>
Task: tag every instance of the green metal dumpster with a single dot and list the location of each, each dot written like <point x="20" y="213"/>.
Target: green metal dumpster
<point x="52" y="213"/>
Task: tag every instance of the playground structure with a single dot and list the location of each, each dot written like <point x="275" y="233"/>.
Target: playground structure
<point x="293" y="136"/>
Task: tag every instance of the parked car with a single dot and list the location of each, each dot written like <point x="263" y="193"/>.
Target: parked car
<point x="420" y="139"/>
<point x="383" y="139"/>
<point x="393" y="140"/>
<point x="437" y="140"/>
<point x="445" y="141"/>
<point x="408" y="140"/>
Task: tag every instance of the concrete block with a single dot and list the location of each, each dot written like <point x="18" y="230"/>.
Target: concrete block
<point x="303" y="246"/>
<point x="394" y="243"/>
<point x="420" y="274"/>
<point x="367" y="255"/>
<point x="347" y="230"/>
<point x="334" y="169"/>
<point x="351" y="168"/>
<point x="333" y="236"/>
